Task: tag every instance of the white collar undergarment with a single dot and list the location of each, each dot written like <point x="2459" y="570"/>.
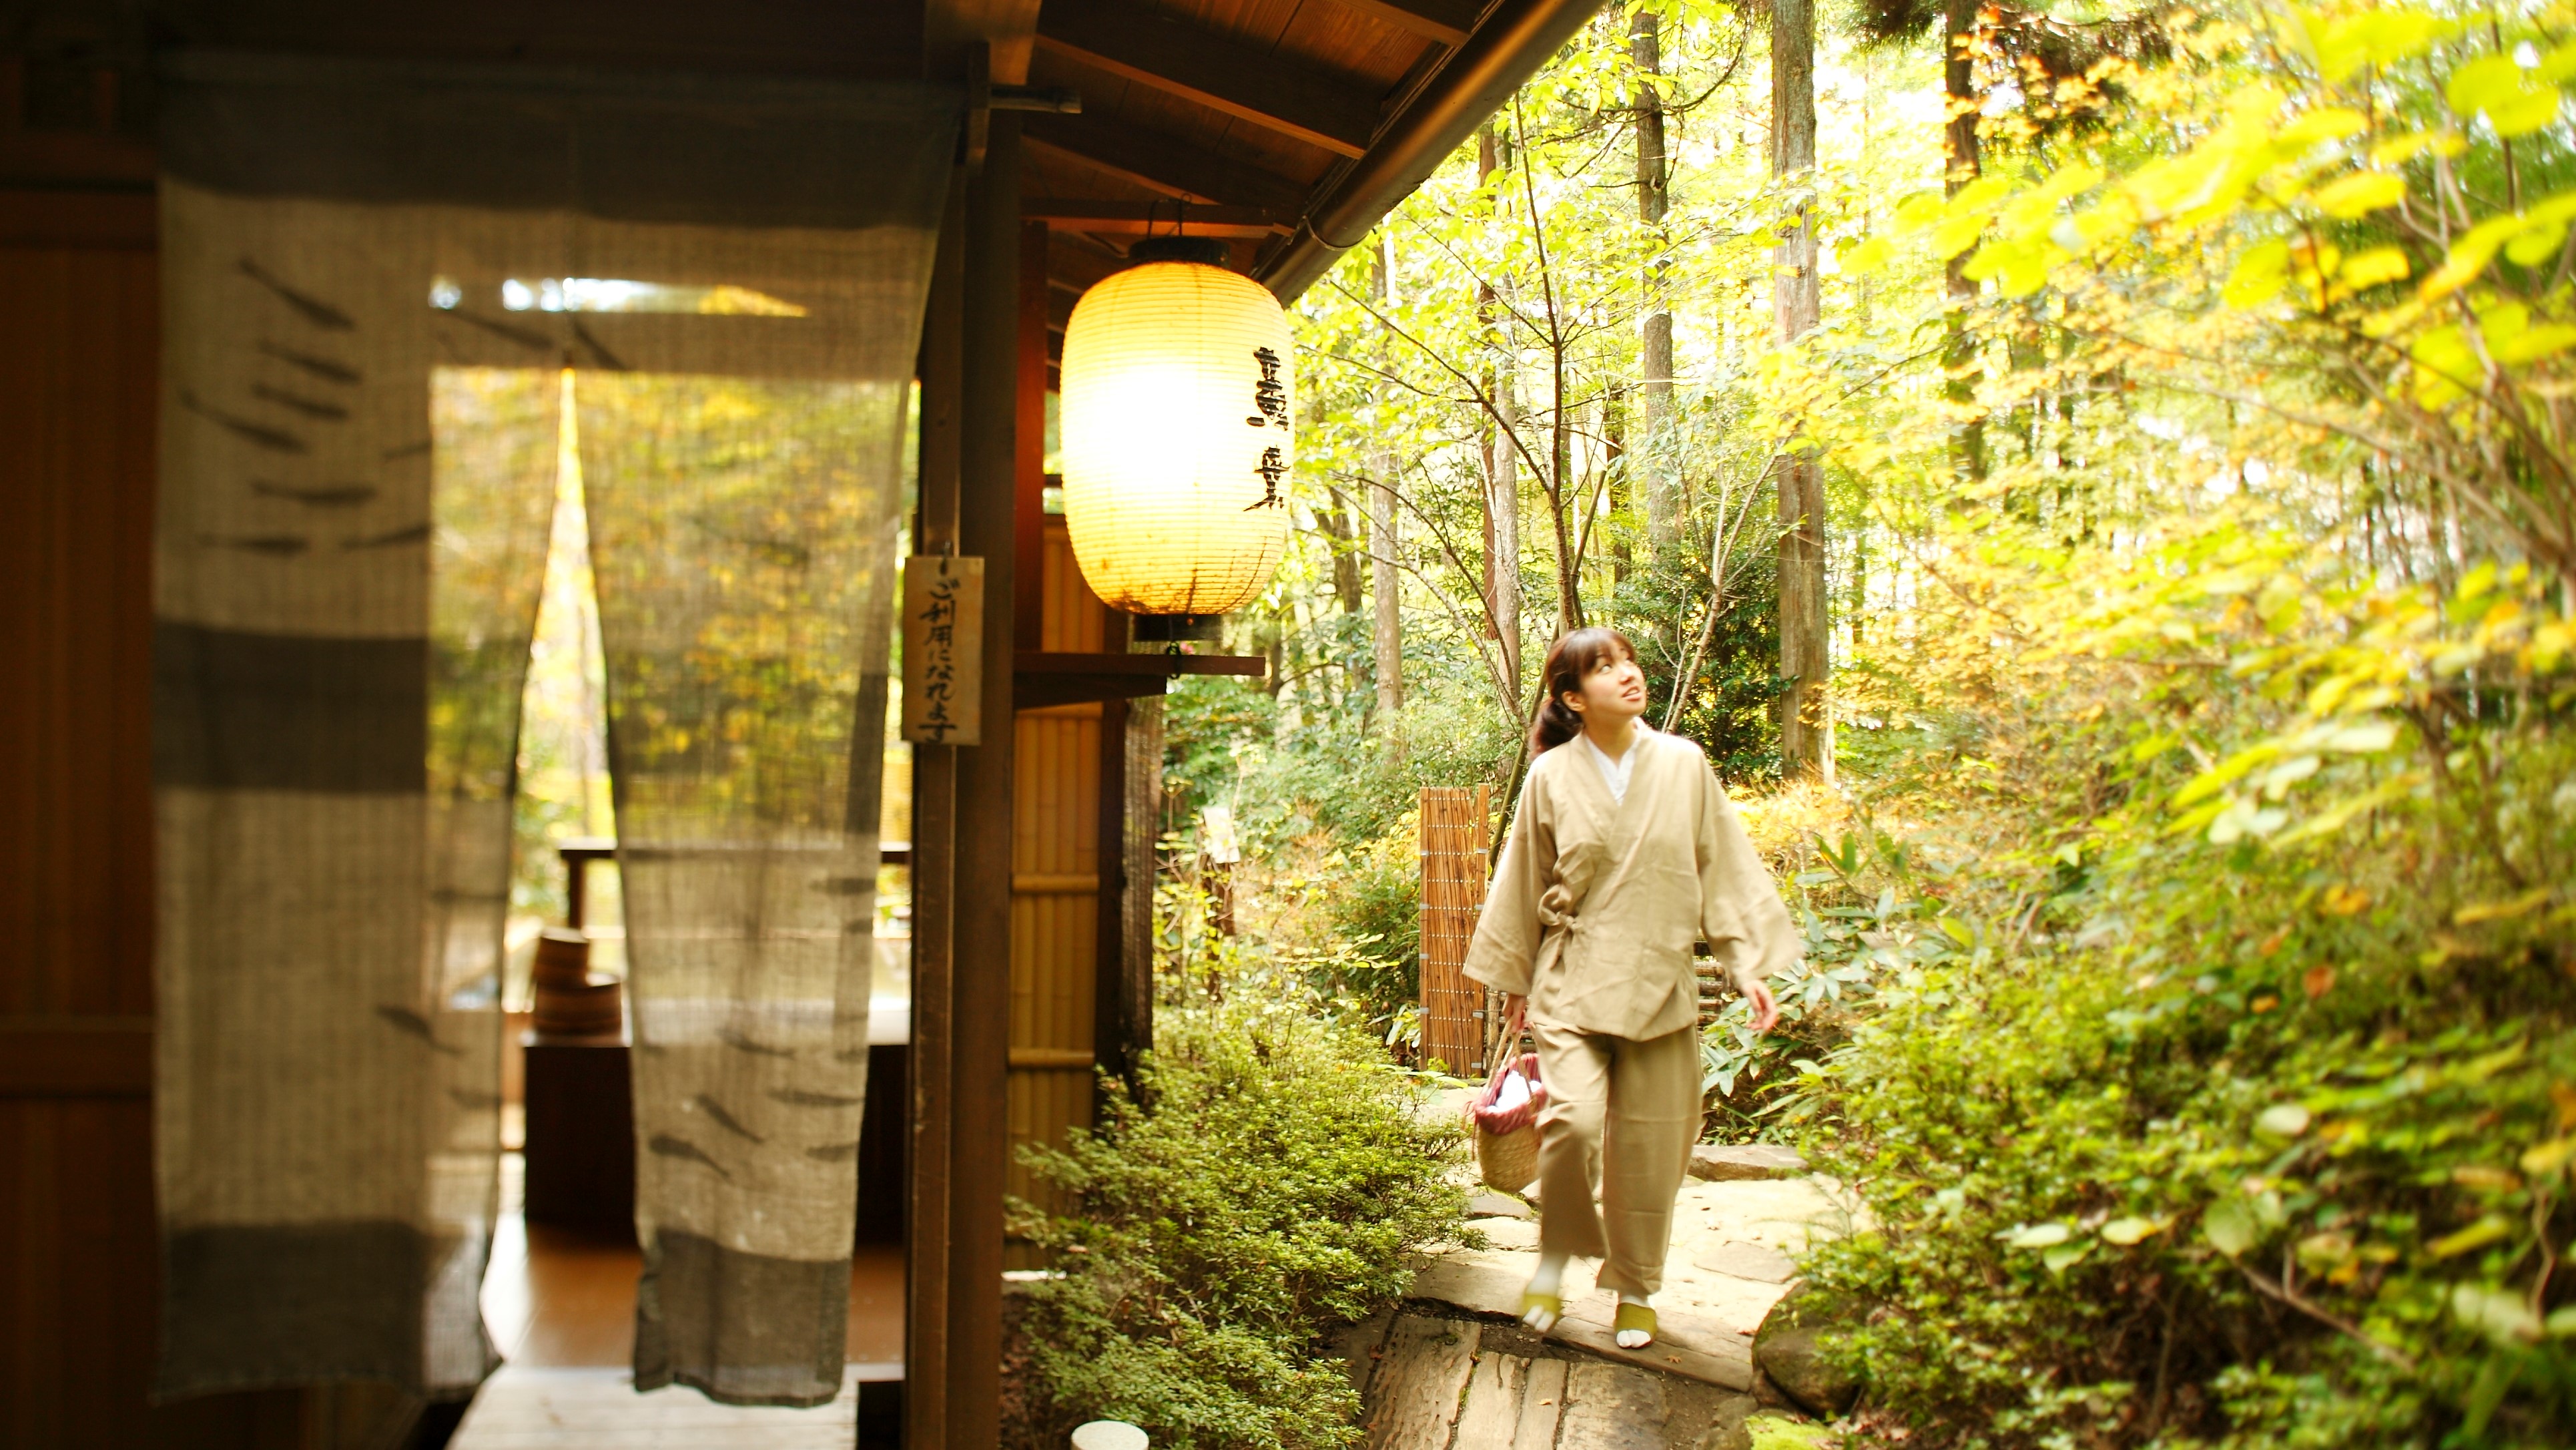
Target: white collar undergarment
<point x="1615" y="773"/>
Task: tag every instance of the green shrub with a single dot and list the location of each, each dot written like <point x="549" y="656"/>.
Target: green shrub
<point x="2240" y="1109"/>
<point x="1267" y="1183"/>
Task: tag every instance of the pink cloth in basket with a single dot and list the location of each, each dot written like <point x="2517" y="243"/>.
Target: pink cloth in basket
<point x="1511" y="1098"/>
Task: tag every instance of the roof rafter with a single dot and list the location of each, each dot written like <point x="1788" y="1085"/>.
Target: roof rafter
<point x="1212" y="70"/>
<point x="1147" y="218"/>
<point x="1163" y="163"/>
<point x="1444" y="21"/>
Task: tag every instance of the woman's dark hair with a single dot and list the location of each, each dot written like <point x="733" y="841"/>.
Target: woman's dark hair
<point x="1569" y="662"/>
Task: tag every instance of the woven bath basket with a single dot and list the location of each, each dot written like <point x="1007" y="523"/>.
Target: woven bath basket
<point x="1507" y="1137"/>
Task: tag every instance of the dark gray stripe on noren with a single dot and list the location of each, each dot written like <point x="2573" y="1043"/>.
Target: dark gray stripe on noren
<point x="746" y="1329"/>
<point x="245" y="1306"/>
<point x="657" y="147"/>
<point x="233" y="710"/>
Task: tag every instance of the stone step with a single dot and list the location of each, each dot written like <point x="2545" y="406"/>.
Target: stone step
<point x="1739" y="1162"/>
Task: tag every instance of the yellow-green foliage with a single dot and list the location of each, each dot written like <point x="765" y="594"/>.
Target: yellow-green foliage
<point x="2242" y="1110"/>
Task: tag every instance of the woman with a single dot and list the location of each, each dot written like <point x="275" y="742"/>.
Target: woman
<point x="1624" y="852"/>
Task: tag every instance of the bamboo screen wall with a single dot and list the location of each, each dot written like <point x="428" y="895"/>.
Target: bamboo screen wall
<point x="1454" y="840"/>
<point x="1055" y="894"/>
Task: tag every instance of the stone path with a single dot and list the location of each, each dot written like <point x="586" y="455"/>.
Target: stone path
<point x="1456" y="1371"/>
<point x="1434" y="1383"/>
<point x="1733" y="1256"/>
<point x="1462" y="1384"/>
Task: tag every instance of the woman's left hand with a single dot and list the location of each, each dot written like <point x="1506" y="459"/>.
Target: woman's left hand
<point x="1766" y="1008"/>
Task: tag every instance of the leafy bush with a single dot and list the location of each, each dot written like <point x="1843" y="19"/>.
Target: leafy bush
<point x="2241" y="1109"/>
<point x="1266" y="1183"/>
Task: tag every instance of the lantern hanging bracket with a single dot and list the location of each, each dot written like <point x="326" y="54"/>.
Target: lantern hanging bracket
<point x="983" y="98"/>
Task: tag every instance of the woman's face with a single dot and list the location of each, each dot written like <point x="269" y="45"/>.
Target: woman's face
<point x="1614" y="692"/>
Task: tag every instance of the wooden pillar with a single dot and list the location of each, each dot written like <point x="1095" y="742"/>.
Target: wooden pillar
<point x="1143" y="813"/>
<point x="1112" y="1037"/>
<point x="1028" y="499"/>
<point x="979" y="1065"/>
<point x="934" y="864"/>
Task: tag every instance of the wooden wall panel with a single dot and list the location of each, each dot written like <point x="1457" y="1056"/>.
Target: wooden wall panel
<point x="79" y="1262"/>
<point x="1055" y="890"/>
<point x="79" y="346"/>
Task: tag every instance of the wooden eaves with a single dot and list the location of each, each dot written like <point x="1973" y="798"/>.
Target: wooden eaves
<point x="1285" y="130"/>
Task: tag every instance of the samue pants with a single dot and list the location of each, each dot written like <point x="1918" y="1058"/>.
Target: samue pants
<point x="1621" y="1116"/>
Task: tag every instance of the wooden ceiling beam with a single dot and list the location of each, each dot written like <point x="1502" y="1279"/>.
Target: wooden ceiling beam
<point x="1444" y="22"/>
<point x="1150" y="218"/>
<point x="1212" y="70"/>
<point x="1162" y="163"/>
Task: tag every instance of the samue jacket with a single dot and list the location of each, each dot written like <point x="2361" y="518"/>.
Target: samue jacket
<point x="1597" y="901"/>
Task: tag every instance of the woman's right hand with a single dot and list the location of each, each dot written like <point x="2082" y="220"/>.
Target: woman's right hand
<point x="1515" y="1012"/>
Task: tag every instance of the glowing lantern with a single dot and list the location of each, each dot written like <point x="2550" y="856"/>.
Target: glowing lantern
<point x="1176" y="436"/>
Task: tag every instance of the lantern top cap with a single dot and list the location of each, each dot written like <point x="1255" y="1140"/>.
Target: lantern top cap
<point x="1207" y="251"/>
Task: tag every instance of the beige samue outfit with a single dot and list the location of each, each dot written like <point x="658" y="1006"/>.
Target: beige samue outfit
<point x="1592" y="915"/>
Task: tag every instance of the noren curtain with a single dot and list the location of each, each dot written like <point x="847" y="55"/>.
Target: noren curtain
<point x="374" y="275"/>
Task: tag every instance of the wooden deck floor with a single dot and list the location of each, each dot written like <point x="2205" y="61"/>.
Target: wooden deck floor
<point x="598" y="1409"/>
<point x="554" y="1300"/>
<point x="561" y="1309"/>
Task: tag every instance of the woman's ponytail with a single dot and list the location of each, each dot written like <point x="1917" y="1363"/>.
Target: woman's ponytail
<point x="1572" y="658"/>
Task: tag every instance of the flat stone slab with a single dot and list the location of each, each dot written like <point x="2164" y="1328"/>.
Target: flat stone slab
<point x="1422" y="1375"/>
<point x="1610" y="1407"/>
<point x="1685" y="1344"/>
<point x="1486" y="1283"/>
<point x="1495" y="1205"/>
<point x="1759" y="1262"/>
<point x="1446" y="1384"/>
<point x="1729" y="1239"/>
<point x="1741" y="1162"/>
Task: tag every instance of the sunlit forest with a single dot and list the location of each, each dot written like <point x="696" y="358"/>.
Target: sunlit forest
<point x="2097" y="480"/>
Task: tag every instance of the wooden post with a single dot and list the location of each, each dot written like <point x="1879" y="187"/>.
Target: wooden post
<point x="1112" y="1031"/>
<point x="1454" y="1015"/>
<point x="1028" y="503"/>
<point x="1109" y="932"/>
<point x="1144" y="823"/>
<point x="980" y="1054"/>
<point x="934" y="863"/>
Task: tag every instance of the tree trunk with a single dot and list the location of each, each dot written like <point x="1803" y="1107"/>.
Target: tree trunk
<point x="1502" y="460"/>
<point x="1385" y="593"/>
<point x="1806" y="724"/>
<point x="1346" y="555"/>
<point x="1614" y="483"/>
<point x="1654" y="469"/>
<point x="1961" y="164"/>
<point x="1563" y="496"/>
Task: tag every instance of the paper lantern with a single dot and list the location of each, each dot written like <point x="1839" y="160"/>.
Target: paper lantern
<point x="1176" y="435"/>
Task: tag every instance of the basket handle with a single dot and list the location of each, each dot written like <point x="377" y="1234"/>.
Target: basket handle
<point x="1515" y="1028"/>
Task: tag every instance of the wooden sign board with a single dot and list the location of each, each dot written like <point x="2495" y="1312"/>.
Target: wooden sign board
<point x="943" y="650"/>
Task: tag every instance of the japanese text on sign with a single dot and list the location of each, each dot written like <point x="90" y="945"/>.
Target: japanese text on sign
<point x="943" y="650"/>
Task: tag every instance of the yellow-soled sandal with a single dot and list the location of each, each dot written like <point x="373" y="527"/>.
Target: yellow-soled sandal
<point x="1533" y="1305"/>
<point x="1633" y="1317"/>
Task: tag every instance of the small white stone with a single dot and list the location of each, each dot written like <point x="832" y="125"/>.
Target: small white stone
<point x="1108" y="1435"/>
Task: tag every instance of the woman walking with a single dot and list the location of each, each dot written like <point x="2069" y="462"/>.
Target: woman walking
<point x="1624" y="851"/>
